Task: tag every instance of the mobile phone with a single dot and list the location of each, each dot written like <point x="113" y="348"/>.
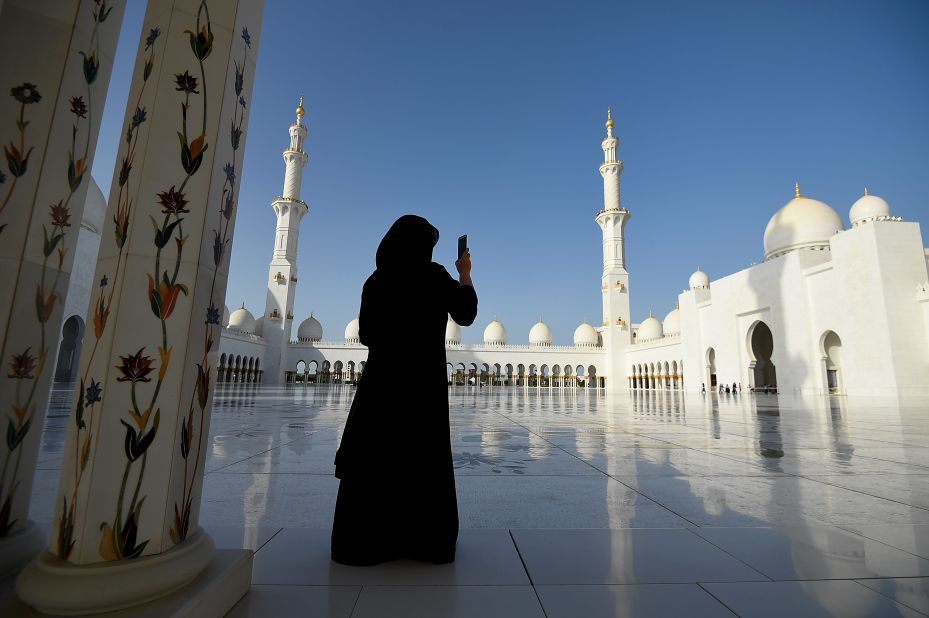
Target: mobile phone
<point x="462" y="245"/>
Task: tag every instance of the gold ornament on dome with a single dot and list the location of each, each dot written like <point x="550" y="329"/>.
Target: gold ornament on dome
<point x="300" y="110"/>
<point x="609" y="118"/>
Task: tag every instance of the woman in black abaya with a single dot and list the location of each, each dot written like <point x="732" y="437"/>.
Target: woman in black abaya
<point x="397" y="491"/>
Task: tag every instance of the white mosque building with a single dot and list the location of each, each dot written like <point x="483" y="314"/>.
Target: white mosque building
<point x="830" y="310"/>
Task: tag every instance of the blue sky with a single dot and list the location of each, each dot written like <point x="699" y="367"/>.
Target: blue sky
<point x="486" y="117"/>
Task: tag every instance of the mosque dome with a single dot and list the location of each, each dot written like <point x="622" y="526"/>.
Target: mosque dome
<point x="540" y="334"/>
<point x="672" y="322"/>
<point x="94" y="208"/>
<point x="225" y="316"/>
<point x="242" y="320"/>
<point x="351" y="331"/>
<point x="699" y="280"/>
<point x="452" y="332"/>
<point x="649" y="329"/>
<point x="260" y="326"/>
<point x="495" y="333"/>
<point x="868" y="208"/>
<point x="802" y="223"/>
<point x="586" y="335"/>
<point x="310" y="330"/>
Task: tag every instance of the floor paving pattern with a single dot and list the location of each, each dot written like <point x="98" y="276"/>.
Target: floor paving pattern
<point x="585" y="504"/>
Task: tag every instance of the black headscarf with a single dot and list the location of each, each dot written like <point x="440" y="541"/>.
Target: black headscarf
<point x="408" y="243"/>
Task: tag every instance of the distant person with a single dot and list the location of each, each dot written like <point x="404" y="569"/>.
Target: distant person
<point x="397" y="484"/>
<point x="703" y="387"/>
<point x="733" y="388"/>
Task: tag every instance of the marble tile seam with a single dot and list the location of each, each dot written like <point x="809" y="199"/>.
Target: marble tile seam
<point x="859" y="580"/>
<point x="815" y="479"/>
<point x="716" y="598"/>
<point x="734" y="557"/>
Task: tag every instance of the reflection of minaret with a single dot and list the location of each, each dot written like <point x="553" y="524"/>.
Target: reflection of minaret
<point x="282" y="274"/>
<point x="615" y="281"/>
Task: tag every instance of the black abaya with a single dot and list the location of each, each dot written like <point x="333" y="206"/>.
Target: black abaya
<point x="397" y="490"/>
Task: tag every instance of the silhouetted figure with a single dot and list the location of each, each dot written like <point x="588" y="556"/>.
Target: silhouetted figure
<point x="397" y="490"/>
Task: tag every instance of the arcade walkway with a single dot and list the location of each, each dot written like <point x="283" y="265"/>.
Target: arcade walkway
<point x="580" y="504"/>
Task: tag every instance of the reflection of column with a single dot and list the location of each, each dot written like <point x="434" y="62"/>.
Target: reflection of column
<point x="133" y="462"/>
<point x="57" y="61"/>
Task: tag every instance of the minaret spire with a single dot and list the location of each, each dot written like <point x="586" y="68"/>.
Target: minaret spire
<point x="612" y="221"/>
<point x="282" y="272"/>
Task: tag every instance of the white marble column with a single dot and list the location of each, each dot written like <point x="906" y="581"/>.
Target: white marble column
<point x="129" y="493"/>
<point x="57" y="56"/>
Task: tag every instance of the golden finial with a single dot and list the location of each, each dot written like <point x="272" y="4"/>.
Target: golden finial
<point x="796" y="189"/>
<point x="609" y="118"/>
<point x="300" y="111"/>
<point x="866" y="191"/>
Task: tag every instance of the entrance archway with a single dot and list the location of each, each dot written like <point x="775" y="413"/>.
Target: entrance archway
<point x="72" y="333"/>
<point x="711" y="368"/>
<point x="831" y="349"/>
<point x="761" y="349"/>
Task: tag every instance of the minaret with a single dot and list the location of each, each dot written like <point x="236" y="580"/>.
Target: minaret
<point x="282" y="273"/>
<point x="615" y="279"/>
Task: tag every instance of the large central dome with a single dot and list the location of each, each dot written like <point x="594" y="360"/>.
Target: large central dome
<point x="801" y="223"/>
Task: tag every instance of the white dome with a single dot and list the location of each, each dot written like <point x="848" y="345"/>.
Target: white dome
<point x="452" y="332"/>
<point x="94" y="208"/>
<point x="242" y="320"/>
<point x="672" y="322"/>
<point x="495" y="333"/>
<point x="586" y="335"/>
<point x="801" y="223"/>
<point x="260" y="326"/>
<point x="310" y="330"/>
<point x="540" y="334"/>
<point x="351" y="331"/>
<point x="699" y="279"/>
<point x="225" y="316"/>
<point x="868" y="208"/>
<point x="649" y="329"/>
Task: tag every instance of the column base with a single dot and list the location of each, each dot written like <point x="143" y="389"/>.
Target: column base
<point x="19" y="548"/>
<point x="218" y="579"/>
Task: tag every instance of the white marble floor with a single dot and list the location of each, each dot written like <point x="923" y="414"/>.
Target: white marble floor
<point x="577" y="503"/>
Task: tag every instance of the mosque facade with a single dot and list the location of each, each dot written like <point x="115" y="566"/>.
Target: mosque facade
<point x="831" y="309"/>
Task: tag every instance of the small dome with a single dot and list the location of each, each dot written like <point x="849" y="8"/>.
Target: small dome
<point x="868" y="208"/>
<point x="586" y="335"/>
<point x="242" y="320"/>
<point x="540" y="334"/>
<point x="225" y="316"/>
<point x="351" y="331"/>
<point x="310" y="330"/>
<point x="495" y="333"/>
<point x="801" y="223"/>
<point x="94" y="208"/>
<point x="649" y="329"/>
<point x="452" y="332"/>
<point x="260" y="326"/>
<point x="699" y="280"/>
<point x="672" y="322"/>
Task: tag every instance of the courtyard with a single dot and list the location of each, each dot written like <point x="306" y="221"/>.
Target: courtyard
<point x="579" y="502"/>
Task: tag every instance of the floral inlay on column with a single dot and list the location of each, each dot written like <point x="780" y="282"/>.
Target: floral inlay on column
<point x="31" y="362"/>
<point x="178" y="532"/>
<point x="90" y="392"/>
